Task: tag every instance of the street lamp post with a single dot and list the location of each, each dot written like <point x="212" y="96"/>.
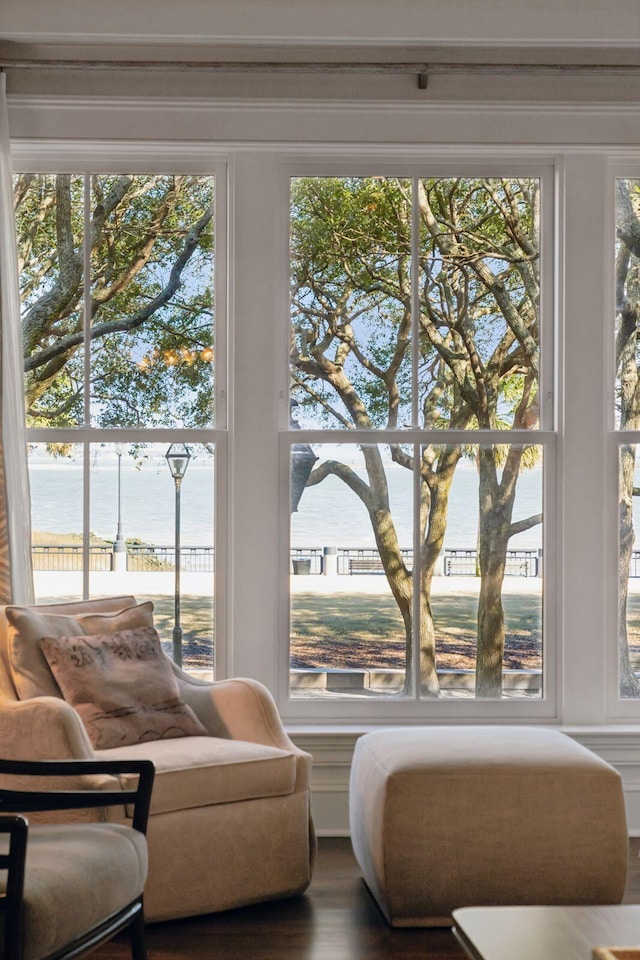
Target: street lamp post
<point x="177" y="457"/>
<point x="119" y="544"/>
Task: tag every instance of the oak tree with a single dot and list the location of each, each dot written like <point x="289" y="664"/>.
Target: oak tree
<point x="478" y="342"/>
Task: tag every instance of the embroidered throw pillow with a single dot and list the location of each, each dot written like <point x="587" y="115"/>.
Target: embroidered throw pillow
<point x="122" y="687"/>
<point x="27" y="625"/>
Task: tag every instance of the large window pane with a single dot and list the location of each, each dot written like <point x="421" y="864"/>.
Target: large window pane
<point x="627" y="312"/>
<point x="479" y="303"/>
<point x="152" y="301"/>
<point x="131" y="543"/>
<point x="50" y="228"/>
<point x="351" y="302"/>
<point x="351" y="551"/>
<point x="55" y="479"/>
<point x="152" y="348"/>
<point x="627" y="411"/>
<point x="479" y="580"/>
<point x="486" y="595"/>
<point x="133" y="503"/>
<point x="629" y="573"/>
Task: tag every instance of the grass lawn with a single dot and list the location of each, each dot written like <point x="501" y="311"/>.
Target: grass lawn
<point x="196" y="618"/>
<point x="355" y="630"/>
<point x="359" y="631"/>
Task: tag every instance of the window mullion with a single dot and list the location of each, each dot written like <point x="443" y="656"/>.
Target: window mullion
<point x="86" y="517"/>
<point x="86" y="450"/>
<point x="87" y="299"/>
<point x="415" y="303"/>
<point x="415" y="422"/>
<point x="415" y="606"/>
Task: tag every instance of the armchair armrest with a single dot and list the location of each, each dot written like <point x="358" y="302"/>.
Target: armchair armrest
<point x="42" y="728"/>
<point x="25" y="801"/>
<point x="242" y="709"/>
<point x="238" y="709"/>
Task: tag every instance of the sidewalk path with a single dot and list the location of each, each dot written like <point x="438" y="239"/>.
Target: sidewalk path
<point x="50" y="584"/>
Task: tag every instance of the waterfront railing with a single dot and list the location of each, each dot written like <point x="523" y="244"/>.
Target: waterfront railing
<point x="71" y="557"/>
<point x="313" y="561"/>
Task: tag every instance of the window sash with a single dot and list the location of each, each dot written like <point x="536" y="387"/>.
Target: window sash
<point x="298" y="709"/>
<point x="133" y="161"/>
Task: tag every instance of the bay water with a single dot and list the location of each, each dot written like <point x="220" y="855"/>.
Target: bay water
<point x="329" y="513"/>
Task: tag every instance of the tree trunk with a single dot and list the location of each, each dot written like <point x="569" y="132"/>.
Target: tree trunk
<point x="490" y="633"/>
<point x="429" y="683"/>
<point x="496" y="509"/>
<point x="401" y="584"/>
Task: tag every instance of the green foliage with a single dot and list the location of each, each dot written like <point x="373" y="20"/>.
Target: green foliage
<point x="351" y="280"/>
<point x="151" y="299"/>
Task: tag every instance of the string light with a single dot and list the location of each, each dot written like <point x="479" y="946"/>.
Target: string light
<point x="174" y="358"/>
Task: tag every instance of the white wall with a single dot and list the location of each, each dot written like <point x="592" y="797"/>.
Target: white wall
<point x="566" y="22"/>
<point x="45" y="111"/>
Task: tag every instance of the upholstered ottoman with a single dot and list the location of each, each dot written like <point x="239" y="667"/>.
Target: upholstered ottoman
<point x="447" y="817"/>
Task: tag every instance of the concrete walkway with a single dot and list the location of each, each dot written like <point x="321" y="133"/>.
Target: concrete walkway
<point x="50" y="584"/>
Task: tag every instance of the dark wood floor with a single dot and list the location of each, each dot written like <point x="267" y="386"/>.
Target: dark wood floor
<point x="335" y="920"/>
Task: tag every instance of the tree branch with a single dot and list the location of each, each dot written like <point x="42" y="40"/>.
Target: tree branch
<point x="346" y="474"/>
<point x="99" y="330"/>
<point x="519" y="526"/>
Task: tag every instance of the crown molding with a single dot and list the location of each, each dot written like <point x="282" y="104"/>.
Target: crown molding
<point x="290" y="105"/>
<point x="336" y="22"/>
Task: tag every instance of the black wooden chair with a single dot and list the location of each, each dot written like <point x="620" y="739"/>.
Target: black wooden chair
<point x="69" y="887"/>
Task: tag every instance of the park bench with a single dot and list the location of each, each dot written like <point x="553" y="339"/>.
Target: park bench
<point x="365" y="565"/>
<point x="520" y="563"/>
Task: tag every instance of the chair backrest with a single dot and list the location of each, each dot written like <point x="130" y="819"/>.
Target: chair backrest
<point x="100" y="605"/>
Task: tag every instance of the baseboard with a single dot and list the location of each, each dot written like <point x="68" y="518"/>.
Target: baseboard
<point x="332" y="753"/>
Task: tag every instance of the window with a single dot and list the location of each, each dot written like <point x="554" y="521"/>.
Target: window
<point x="368" y="294"/>
<point x="627" y="413"/>
<point x="117" y="286"/>
<point x="421" y="434"/>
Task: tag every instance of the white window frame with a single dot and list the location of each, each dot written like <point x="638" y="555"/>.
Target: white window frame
<point x="412" y="708"/>
<point x="85" y="160"/>
<point x="618" y="708"/>
<point x="585" y="140"/>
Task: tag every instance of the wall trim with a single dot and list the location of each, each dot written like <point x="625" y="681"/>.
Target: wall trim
<point x="332" y="752"/>
<point x="588" y="108"/>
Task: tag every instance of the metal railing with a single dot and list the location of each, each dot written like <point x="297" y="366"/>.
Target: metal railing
<point x="140" y="558"/>
<point x="520" y="563"/>
<point x="145" y="558"/>
<point x="70" y="557"/>
<point x="348" y="561"/>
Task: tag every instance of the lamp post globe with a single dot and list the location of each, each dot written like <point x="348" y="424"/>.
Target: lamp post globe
<point x="178" y="456"/>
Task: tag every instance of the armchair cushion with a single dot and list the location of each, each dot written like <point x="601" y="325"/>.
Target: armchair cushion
<point x="29" y="669"/>
<point x="122" y="687"/>
<point x="130" y="618"/>
<point x="103" y="866"/>
<point x="211" y="771"/>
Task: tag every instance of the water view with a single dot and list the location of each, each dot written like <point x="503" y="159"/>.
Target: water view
<point x="148" y="503"/>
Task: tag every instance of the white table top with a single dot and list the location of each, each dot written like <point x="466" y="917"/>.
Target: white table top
<point x="545" y="933"/>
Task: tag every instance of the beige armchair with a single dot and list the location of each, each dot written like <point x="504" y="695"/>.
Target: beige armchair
<point x="229" y="823"/>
